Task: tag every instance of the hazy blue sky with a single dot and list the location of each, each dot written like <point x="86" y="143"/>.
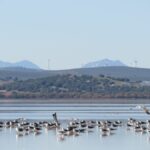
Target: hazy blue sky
<point x="73" y="32"/>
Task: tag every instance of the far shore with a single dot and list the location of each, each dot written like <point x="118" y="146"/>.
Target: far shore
<point x="75" y="101"/>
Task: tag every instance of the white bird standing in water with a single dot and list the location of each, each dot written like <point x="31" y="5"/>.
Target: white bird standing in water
<point x="146" y="110"/>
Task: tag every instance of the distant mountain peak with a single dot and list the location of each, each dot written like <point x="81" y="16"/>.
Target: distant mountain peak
<point x="23" y="64"/>
<point x="104" y="63"/>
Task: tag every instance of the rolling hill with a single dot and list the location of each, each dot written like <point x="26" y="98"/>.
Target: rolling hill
<point x="134" y="74"/>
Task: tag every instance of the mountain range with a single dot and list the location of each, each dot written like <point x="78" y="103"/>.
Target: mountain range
<point x="104" y="63"/>
<point x="30" y="65"/>
<point x="22" y="64"/>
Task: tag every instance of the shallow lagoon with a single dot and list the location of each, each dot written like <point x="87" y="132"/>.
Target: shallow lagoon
<point x="122" y="139"/>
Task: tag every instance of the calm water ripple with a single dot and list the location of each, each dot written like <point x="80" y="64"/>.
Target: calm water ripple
<point x="121" y="140"/>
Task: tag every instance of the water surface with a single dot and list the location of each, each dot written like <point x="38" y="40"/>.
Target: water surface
<point x="122" y="139"/>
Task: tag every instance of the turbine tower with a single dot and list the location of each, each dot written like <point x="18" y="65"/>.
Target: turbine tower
<point x="48" y="64"/>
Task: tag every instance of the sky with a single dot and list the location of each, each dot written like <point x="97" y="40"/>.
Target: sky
<point x="71" y="33"/>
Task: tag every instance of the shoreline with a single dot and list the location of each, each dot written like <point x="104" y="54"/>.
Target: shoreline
<point x="75" y="101"/>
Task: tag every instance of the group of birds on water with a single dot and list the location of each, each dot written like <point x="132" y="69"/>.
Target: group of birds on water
<point x="75" y="127"/>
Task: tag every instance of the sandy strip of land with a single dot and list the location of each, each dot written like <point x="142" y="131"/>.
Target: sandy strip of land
<point x="74" y="101"/>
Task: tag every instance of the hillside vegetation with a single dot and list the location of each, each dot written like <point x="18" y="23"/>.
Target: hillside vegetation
<point x="73" y="86"/>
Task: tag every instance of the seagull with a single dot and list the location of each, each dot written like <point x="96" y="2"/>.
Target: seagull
<point x="146" y="110"/>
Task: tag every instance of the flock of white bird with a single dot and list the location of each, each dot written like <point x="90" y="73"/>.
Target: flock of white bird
<point x="76" y="127"/>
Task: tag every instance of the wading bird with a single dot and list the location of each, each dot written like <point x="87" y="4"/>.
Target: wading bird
<point x="146" y="110"/>
<point x="55" y="119"/>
